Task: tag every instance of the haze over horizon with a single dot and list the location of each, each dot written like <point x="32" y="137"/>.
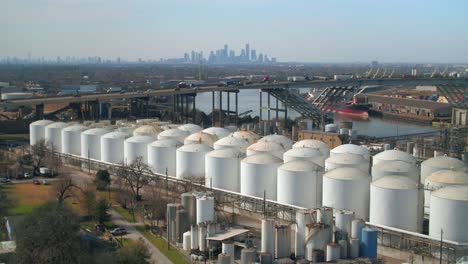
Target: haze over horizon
<point x="301" y="31"/>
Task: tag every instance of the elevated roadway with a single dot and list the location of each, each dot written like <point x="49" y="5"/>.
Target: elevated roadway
<point x="105" y="97"/>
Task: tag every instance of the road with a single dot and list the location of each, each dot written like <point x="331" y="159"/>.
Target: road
<point x="134" y="234"/>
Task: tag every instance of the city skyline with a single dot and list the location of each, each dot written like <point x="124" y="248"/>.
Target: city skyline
<point x="306" y="31"/>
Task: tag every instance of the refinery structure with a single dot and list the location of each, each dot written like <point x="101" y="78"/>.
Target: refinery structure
<point x="250" y="198"/>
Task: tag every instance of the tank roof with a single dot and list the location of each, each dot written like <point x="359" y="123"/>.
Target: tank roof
<point x="57" y="125"/>
<point x="220" y="132"/>
<point x="344" y="173"/>
<point x="443" y="162"/>
<point x="303" y="152"/>
<point x="266" y="146"/>
<point x="394" y="166"/>
<point x="195" y="148"/>
<point x="116" y="134"/>
<point x="346" y="158"/>
<point x="140" y="139"/>
<point x="262" y="158"/>
<point x="97" y="131"/>
<point x="226" y="153"/>
<point x="394" y="154"/>
<point x="170" y="142"/>
<point x="232" y="141"/>
<point x="173" y="132"/>
<point x="301" y="165"/>
<point x="455" y="192"/>
<point x="245" y="134"/>
<point x="76" y="127"/>
<point x="395" y="182"/>
<point x="449" y="177"/>
<point x="310" y="143"/>
<point x="351" y="148"/>
<point x="42" y="122"/>
<point x="147" y="130"/>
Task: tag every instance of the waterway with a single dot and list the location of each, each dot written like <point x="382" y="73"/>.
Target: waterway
<point x="249" y="101"/>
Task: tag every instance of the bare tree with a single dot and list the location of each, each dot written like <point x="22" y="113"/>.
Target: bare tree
<point x="63" y="188"/>
<point x="135" y="176"/>
<point x="53" y="161"/>
<point x="38" y="153"/>
<point x="155" y="208"/>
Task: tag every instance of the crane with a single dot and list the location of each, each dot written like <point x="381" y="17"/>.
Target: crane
<point x="434" y="73"/>
<point x="369" y="72"/>
<point x="444" y="73"/>
<point x="384" y="74"/>
<point x="376" y="74"/>
<point x="391" y="74"/>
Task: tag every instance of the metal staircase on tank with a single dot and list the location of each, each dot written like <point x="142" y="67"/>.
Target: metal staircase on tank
<point x="298" y="103"/>
<point x="456" y="95"/>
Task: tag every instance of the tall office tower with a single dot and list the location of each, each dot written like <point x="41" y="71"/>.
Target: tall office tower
<point x="253" y="55"/>
<point x="186" y="57"/>
<point x="242" y="55"/>
<point x="247" y="52"/>
<point x="260" y="58"/>
<point x="194" y="56"/>
<point x="232" y="54"/>
<point x="225" y="52"/>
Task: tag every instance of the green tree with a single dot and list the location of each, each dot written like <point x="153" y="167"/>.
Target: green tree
<point x="50" y="234"/>
<point x="101" y="211"/>
<point x="135" y="253"/>
<point x="103" y="180"/>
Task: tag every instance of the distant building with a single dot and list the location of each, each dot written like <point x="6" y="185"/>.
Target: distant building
<point x="253" y="55"/>
<point x="77" y="89"/>
<point x="247" y="52"/>
<point x="460" y="117"/>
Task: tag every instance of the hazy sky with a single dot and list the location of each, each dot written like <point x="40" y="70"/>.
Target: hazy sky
<point x="292" y="30"/>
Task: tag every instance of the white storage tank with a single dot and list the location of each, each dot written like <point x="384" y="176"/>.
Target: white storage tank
<point x="314" y="144"/>
<point x="190" y="128"/>
<point x="440" y="179"/>
<point x="395" y="167"/>
<point x="205" y="209"/>
<point x="71" y="139"/>
<point x="350" y="149"/>
<point x="232" y="142"/>
<point x="333" y="128"/>
<point x="347" y="160"/>
<point x="53" y="135"/>
<point x="259" y="174"/>
<point x="439" y="163"/>
<point x="449" y="212"/>
<point x="190" y="161"/>
<point x="393" y="154"/>
<point x="266" y="147"/>
<point x="347" y="189"/>
<point x="219" y="132"/>
<point x="280" y="139"/>
<point x="201" y="138"/>
<point x="147" y="130"/>
<point x="396" y="201"/>
<point x="311" y="154"/>
<point x="136" y="147"/>
<point x="112" y="147"/>
<point x="300" y="184"/>
<point x="248" y="135"/>
<point x="37" y="131"/>
<point x="162" y="156"/>
<point x="174" y="133"/>
<point x="222" y="169"/>
<point x="91" y="142"/>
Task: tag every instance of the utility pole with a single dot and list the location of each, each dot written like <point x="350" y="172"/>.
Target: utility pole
<point x="441" y="239"/>
<point x="264" y="203"/>
<point x="89" y="164"/>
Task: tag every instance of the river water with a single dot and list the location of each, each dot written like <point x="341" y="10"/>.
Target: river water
<point x="249" y="100"/>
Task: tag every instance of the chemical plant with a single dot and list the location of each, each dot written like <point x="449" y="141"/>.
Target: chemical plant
<point x="267" y="199"/>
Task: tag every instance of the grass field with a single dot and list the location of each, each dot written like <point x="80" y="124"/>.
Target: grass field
<point x="125" y="214"/>
<point x="13" y="136"/>
<point x="172" y="254"/>
<point x="27" y="196"/>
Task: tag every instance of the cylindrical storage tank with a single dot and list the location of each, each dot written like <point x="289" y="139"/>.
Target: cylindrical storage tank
<point x="205" y="209"/>
<point x="393" y="155"/>
<point x="396" y="201"/>
<point x="222" y="169"/>
<point x="194" y="237"/>
<point x="219" y="132"/>
<point x="182" y="224"/>
<point x="449" y="213"/>
<point x="268" y="236"/>
<point x="283" y="241"/>
<point x="127" y="129"/>
<point x="266" y="258"/>
<point x="91" y="142"/>
<point x="347" y="189"/>
<point x="354" y="248"/>
<point x="186" y="241"/>
<point x="343" y="247"/>
<point x="333" y="252"/>
<point x="317" y="256"/>
<point x="248" y="256"/>
<point x="171" y="226"/>
<point x="343" y="221"/>
<point x="173" y="133"/>
<point x="300" y="184"/>
<point x="53" y="135"/>
<point x="440" y="179"/>
<point x="259" y="174"/>
<point x="71" y="139"/>
<point x="112" y="147"/>
<point x="333" y="128"/>
<point x="137" y="147"/>
<point x="202" y="237"/>
<point x="313" y="144"/>
<point x="189" y="202"/>
<point x="356" y="226"/>
<point x="439" y="163"/>
<point x="280" y="139"/>
<point x="224" y="258"/>
<point x="191" y="128"/>
<point x="368" y="248"/>
<point x="386" y="147"/>
<point x="266" y="147"/>
<point x="37" y="131"/>
<point x="347" y="160"/>
<point x="232" y="142"/>
<point x="311" y="154"/>
<point x="228" y="248"/>
<point x="344" y="131"/>
<point x="162" y="156"/>
<point x="247" y="135"/>
<point x="303" y="218"/>
<point x="325" y="215"/>
<point x="350" y="149"/>
<point x="147" y="130"/>
<point x="395" y="167"/>
<point x="190" y="161"/>
<point x="317" y="237"/>
<point x="201" y="138"/>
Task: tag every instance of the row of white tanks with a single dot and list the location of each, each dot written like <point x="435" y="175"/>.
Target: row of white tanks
<point x="286" y="172"/>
